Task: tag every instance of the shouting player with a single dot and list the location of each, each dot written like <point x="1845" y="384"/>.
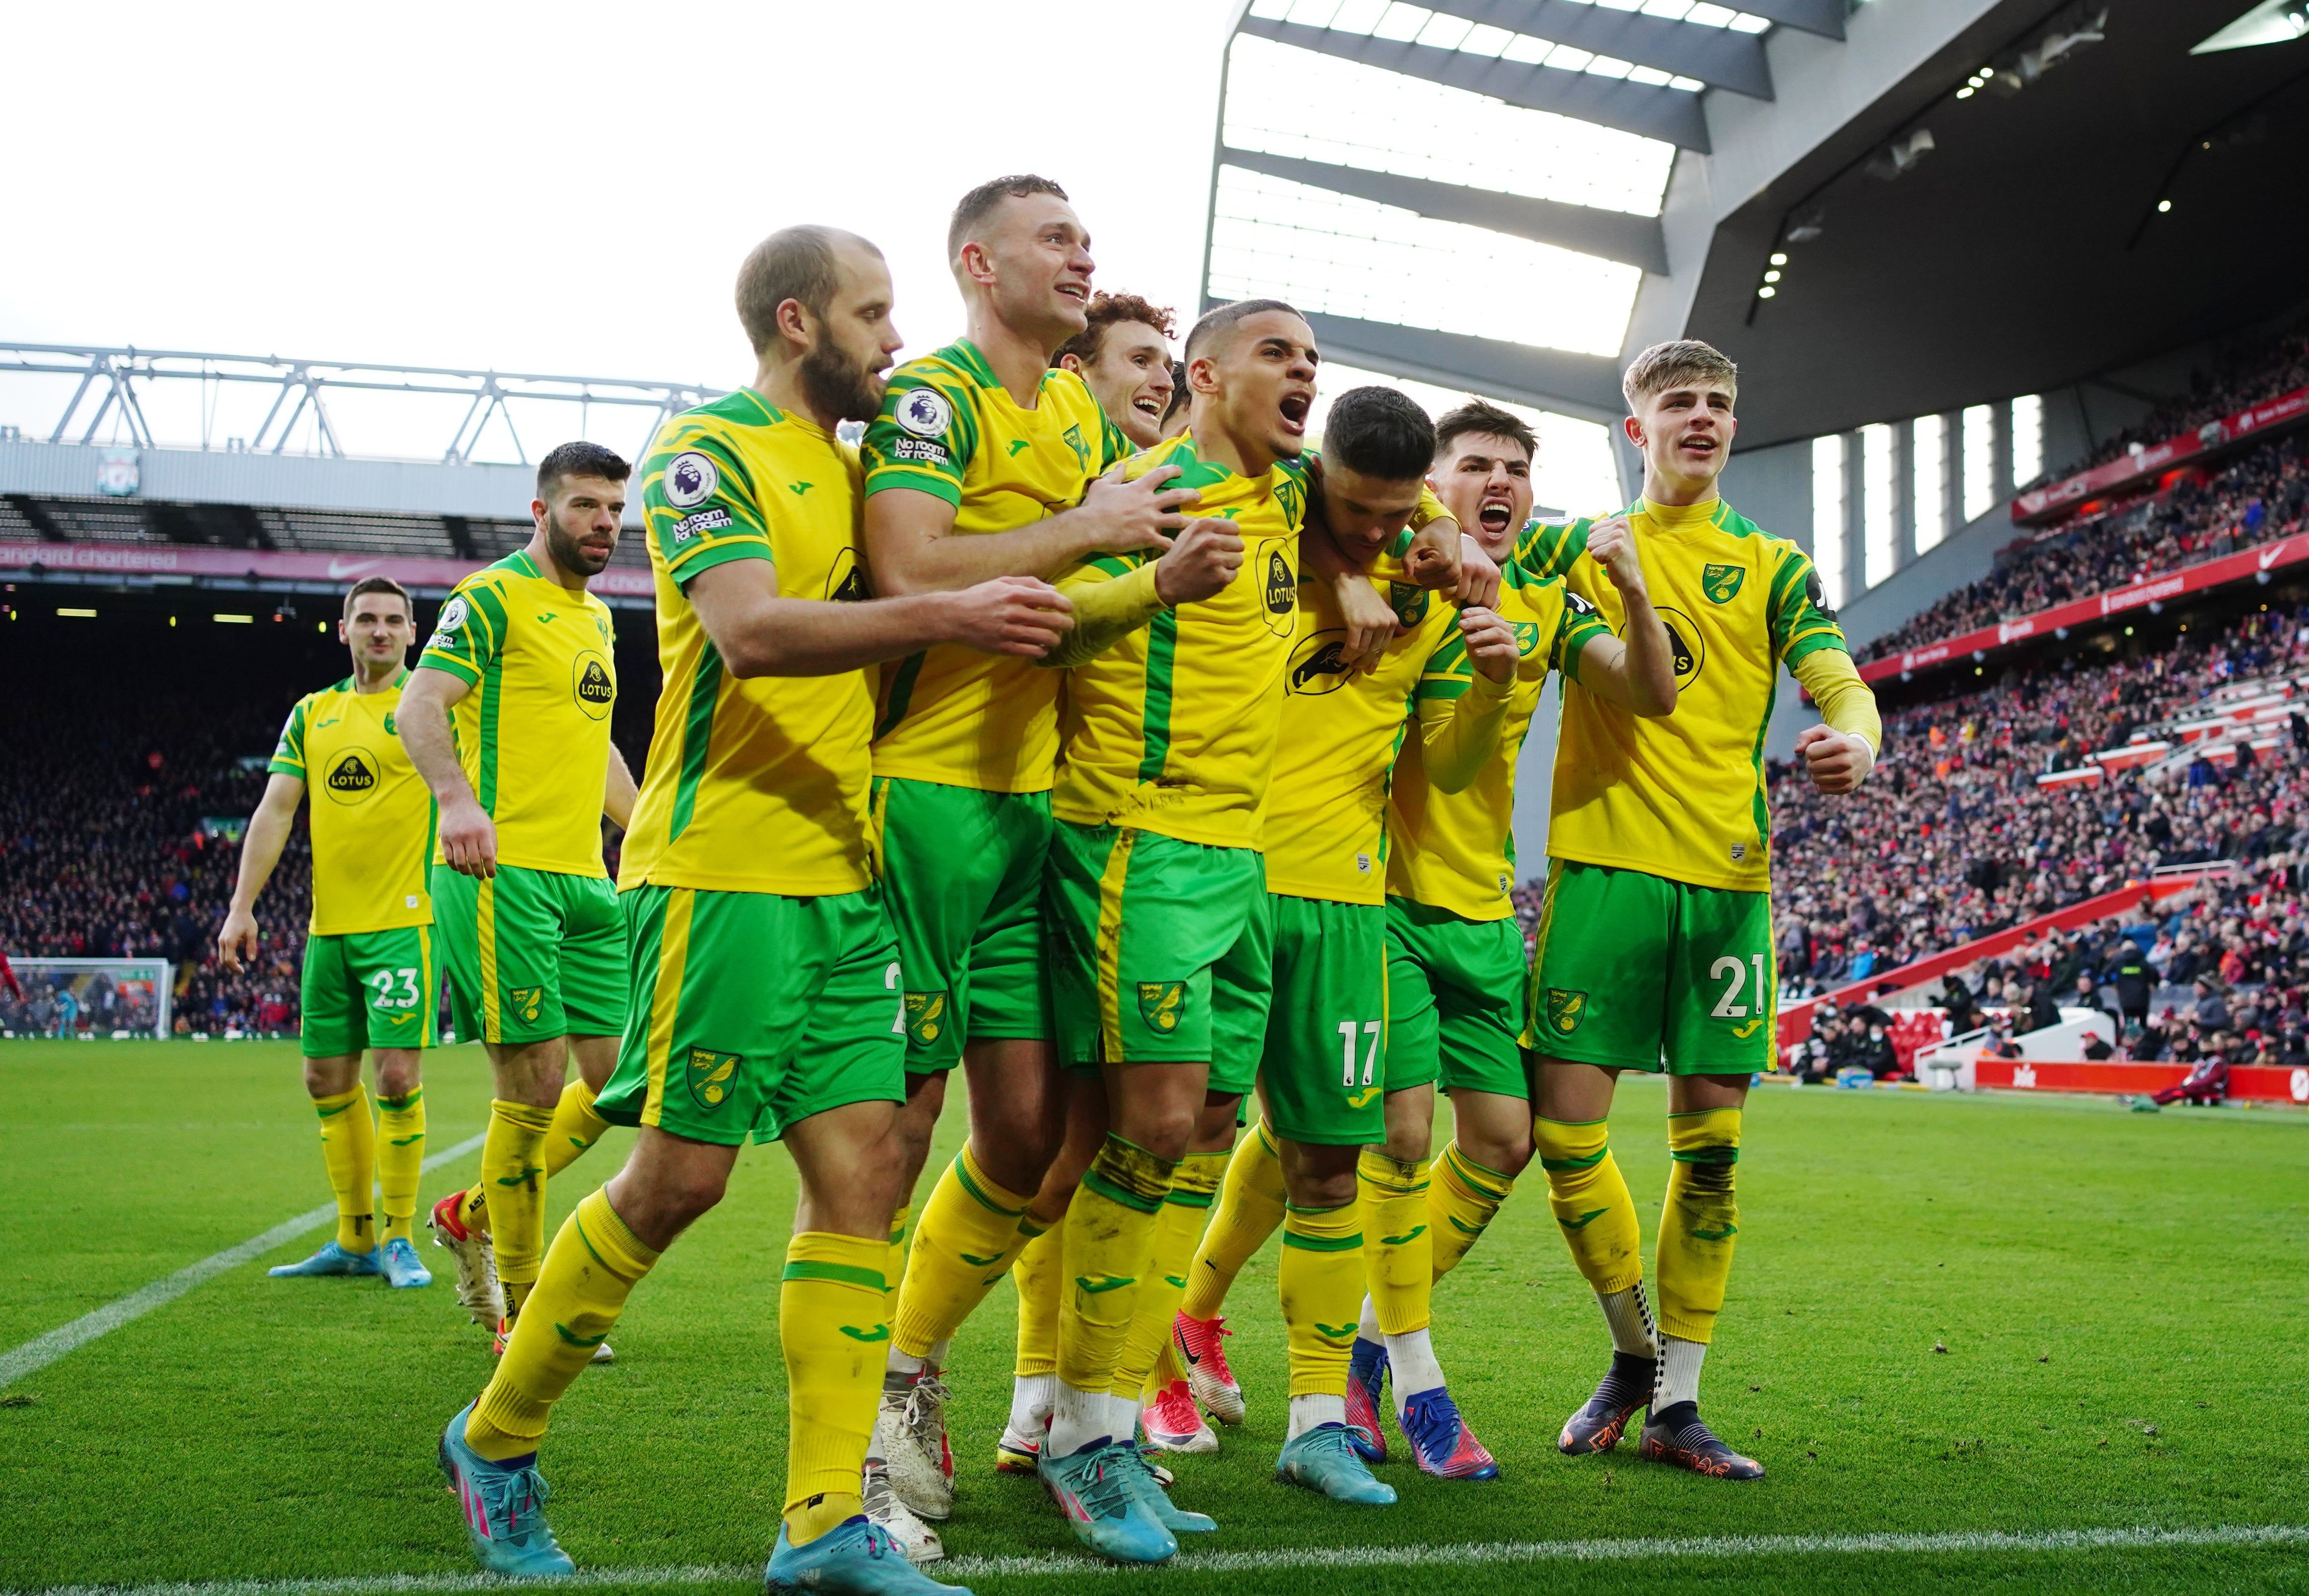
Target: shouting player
<point x="369" y="954"/>
<point x="1124" y="357"/>
<point x="969" y="465"/>
<point x="521" y="662"/>
<point x="1655" y="946"/>
<point x="765" y="978"/>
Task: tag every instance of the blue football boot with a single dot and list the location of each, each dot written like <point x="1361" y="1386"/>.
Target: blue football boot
<point x="856" y="1557"/>
<point x="331" y="1259"/>
<point x="1441" y="1441"/>
<point x="1097" y="1489"/>
<point x="1154" y="1495"/>
<point x="504" y="1508"/>
<point x="1323" y="1459"/>
<point x="1367" y="1398"/>
<point x="402" y="1270"/>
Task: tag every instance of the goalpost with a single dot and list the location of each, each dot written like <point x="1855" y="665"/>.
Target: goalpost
<point x="88" y="998"/>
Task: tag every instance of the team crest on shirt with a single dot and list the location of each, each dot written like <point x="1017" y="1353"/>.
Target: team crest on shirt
<point x="1161" y="1004"/>
<point x="1081" y="449"/>
<point x="925" y="1017"/>
<point x="690" y="480"/>
<point x="710" y="1075"/>
<point x="1721" y="582"/>
<point x="1527" y="637"/>
<point x="924" y="412"/>
<point x="1410" y="602"/>
<point x="1565" y="1010"/>
<point x="527" y="1001"/>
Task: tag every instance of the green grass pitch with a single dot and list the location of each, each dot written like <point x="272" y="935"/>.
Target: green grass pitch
<point x="2120" y="1300"/>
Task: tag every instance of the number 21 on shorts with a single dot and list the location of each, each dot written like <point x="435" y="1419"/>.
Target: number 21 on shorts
<point x="1729" y="1006"/>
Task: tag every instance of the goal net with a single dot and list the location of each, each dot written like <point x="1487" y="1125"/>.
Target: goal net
<point x="87" y="998"/>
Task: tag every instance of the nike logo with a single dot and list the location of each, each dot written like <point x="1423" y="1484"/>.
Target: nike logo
<point x="800" y="489"/>
<point x="2270" y="557"/>
<point x="1111" y="1282"/>
<point x="1362" y="1100"/>
<point x="880" y="1332"/>
<point x="1744" y="1031"/>
<point x="1415" y="1232"/>
<point x="980" y="1262"/>
<point x="1583" y="1222"/>
<point x="341" y="569"/>
<point x="1016" y="444"/>
<point x="580" y="1340"/>
<point x="1725" y="1234"/>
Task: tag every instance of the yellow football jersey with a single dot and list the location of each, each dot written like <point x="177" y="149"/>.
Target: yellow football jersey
<point x="759" y="785"/>
<point x="372" y="815"/>
<point x="533" y="734"/>
<point x="1682" y="796"/>
<point x="948" y="426"/>
<point x="1456" y="850"/>
<point x="1172" y="729"/>
<point x="1324" y="828"/>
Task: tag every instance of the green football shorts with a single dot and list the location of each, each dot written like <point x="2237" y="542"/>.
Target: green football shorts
<point x="1455" y="997"/>
<point x="753" y="1012"/>
<point x="962" y="872"/>
<point x="531" y="955"/>
<point x="1644" y="973"/>
<point x="1160" y="952"/>
<point x="1325" y="1068"/>
<point x="369" y="989"/>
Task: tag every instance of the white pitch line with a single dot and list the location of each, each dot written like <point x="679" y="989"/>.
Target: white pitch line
<point x="1447" y="1556"/>
<point x="43" y="1350"/>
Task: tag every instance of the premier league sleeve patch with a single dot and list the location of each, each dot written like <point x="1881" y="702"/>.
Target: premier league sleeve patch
<point x="925" y="413"/>
<point x="690" y="480"/>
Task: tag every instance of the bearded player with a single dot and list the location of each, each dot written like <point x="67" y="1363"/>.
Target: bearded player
<point x="369" y="983"/>
<point x="1655" y="948"/>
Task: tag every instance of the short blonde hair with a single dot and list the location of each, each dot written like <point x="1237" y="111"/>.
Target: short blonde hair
<point x="1671" y="364"/>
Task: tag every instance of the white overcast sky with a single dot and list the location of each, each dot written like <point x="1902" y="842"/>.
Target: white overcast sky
<point x="565" y="188"/>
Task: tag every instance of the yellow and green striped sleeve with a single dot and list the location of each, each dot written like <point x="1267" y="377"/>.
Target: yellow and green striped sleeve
<point x="1798" y="614"/>
<point x="923" y="439"/>
<point x="701" y="505"/>
<point x="471" y="634"/>
<point x="288" y="753"/>
<point x="1550" y="548"/>
<point x="1577" y="624"/>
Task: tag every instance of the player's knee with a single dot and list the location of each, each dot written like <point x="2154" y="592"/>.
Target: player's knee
<point x="1502" y="1150"/>
<point x="329" y="1077"/>
<point x="396" y="1074"/>
<point x="1568" y="1152"/>
<point x="1705" y="1148"/>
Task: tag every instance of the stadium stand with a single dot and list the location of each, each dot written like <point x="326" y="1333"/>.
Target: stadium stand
<point x="2243" y="501"/>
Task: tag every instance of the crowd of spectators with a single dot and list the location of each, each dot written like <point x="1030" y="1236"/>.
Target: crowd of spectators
<point x="2244" y="376"/>
<point x="2255" y="498"/>
<point x="1952" y="839"/>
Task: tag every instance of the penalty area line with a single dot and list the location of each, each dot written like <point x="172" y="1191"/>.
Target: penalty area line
<point x="40" y="1351"/>
<point x="1464" y="1554"/>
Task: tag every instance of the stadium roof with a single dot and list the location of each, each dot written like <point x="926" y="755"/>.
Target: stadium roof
<point x="1518" y="195"/>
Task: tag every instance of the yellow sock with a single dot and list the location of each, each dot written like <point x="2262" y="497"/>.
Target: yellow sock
<point x="576" y="1126"/>
<point x="1398" y="1252"/>
<point x="1177" y="1229"/>
<point x="1322" y="1282"/>
<point x="1040" y="1275"/>
<point x="473" y="1207"/>
<point x="513" y="1173"/>
<point x="830" y="1327"/>
<point x="1109" y="1251"/>
<point x="594" y="1264"/>
<point x="1463" y="1198"/>
<point x="1698" y="1221"/>
<point x="1249" y="1207"/>
<point x="348" y="1149"/>
<point x="964" y="1243"/>
<point x="894" y="1270"/>
<point x="400" y="1156"/>
<point x="1591" y="1202"/>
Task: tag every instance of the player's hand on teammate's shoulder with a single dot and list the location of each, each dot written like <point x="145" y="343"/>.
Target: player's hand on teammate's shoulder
<point x="1491" y="642"/>
<point x="237" y="943"/>
<point x="1010" y="615"/>
<point x="1370" y="621"/>
<point x="1837" y="761"/>
<point x="1201" y="562"/>
<point x="469" y="837"/>
<point x="1432" y="559"/>
<point x="1479" y="574"/>
<point x="1138" y="513"/>
<point x="1612" y="544"/>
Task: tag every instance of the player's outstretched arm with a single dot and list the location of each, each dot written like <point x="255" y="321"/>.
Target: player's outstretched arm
<point x="260" y="852"/>
<point x="911" y="549"/>
<point x="1201" y="562"/>
<point x="758" y="633"/>
<point x="1839" y="752"/>
<point x="1458" y="735"/>
<point x="618" y="792"/>
<point x="469" y="837"/>
<point x="1638" y="671"/>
